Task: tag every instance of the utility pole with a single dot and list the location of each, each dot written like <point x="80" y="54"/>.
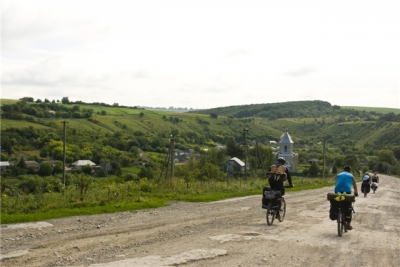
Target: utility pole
<point x="169" y="161"/>
<point x="260" y="157"/>
<point x="323" y="160"/>
<point x="172" y="151"/>
<point x="354" y="162"/>
<point x="64" y="152"/>
<point x="245" y="132"/>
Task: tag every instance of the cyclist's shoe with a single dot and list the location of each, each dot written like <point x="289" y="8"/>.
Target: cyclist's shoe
<point x="349" y="227"/>
<point x="278" y="216"/>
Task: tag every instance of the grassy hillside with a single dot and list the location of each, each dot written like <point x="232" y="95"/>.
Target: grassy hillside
<point x="307" y="121"/>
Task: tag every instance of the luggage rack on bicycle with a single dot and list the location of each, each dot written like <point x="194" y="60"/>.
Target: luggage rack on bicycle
<point x="275" y="205"/>
<point x="339" y="199"/>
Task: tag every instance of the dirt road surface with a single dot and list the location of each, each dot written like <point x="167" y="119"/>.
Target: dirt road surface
<point x="225" y="233"/>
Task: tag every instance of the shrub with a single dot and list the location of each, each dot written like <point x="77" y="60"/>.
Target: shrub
<point x="145" y="185"/>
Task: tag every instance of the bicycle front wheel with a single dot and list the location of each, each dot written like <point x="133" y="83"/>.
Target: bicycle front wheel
<point x="282" y="212"/>
<point x="340" y="224"/>
<point x="270" y="214"/>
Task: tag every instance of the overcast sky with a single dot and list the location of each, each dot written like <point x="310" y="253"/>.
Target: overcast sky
<point x="202" y="54"/>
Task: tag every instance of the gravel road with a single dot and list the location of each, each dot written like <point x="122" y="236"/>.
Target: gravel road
<point x="232" y="232"/>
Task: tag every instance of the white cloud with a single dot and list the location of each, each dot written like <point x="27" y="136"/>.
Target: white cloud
<point x="202" y="54"/>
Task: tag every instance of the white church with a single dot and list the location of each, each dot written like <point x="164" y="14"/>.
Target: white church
<point x="286" y="151"/>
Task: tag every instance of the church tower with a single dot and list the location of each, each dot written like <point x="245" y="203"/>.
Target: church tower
<point x="286" y="151"/>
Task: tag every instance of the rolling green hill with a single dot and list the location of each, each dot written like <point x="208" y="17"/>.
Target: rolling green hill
<point x="30" y="125"/>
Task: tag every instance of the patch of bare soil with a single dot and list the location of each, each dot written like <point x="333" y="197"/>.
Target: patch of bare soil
<point x="233" y="232"/>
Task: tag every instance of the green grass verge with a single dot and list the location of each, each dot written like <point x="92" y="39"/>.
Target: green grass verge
<point x="156" y="201"/>
<point x="88" y="210"/>
<point x="217" y="196"/>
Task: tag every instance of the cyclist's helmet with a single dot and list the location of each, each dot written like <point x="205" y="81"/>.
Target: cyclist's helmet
<point x="282" y="160"/>
<point x="366" y="173"/>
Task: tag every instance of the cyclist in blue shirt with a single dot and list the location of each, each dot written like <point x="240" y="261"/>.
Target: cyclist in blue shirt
<point x="344" y="183"/>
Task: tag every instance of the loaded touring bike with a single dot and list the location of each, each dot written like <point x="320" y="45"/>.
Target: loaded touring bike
<point x="275" y="205"/>
<point x="340" y="202"/>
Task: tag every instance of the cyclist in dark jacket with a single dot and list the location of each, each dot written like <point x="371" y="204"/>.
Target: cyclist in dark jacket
<point x="277" y="174"/>
<point x="276" y="181"/>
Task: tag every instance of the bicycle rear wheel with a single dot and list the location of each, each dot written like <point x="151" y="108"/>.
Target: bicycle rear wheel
<point x="282" y="212"/>
<point x="270" y="213"/>
<point x="344" y="223"/>
<point x="339" y="222"/>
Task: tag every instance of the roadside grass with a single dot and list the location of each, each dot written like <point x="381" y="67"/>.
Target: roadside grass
<point x="150" y="203"/>
<point x="217" y="196"/>
<point x="132" y="197"/>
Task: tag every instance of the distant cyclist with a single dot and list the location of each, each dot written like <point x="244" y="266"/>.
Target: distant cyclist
<point x="344" y="182"/>
<point x="366" y="183"/>
<point x="375" y="178"/>
<point x="375" y="182"/>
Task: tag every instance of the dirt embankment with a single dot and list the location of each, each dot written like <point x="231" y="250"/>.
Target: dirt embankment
<point x="224" y="233"/>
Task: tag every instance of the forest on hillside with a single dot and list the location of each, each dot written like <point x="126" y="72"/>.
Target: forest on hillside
<point x="114" y="134"/>
<point x="298" y="109"/>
